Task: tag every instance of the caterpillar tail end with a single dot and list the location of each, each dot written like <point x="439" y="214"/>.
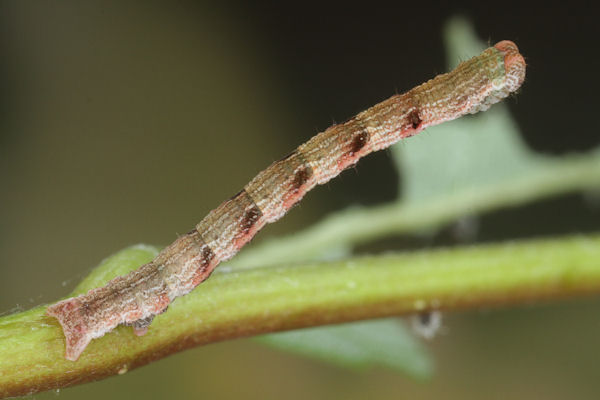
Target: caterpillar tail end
<point x="77" y="334"/>
<point x="514" y="64"/>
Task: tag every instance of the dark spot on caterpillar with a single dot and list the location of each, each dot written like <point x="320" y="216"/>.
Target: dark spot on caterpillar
<point x="251" y="216"/>
<point x="414" y="119"/>
<point x="207" y="256"/>
<point x="191" y="232"/>
<point x="301" y="177"/>
<point x="359" y="141"/>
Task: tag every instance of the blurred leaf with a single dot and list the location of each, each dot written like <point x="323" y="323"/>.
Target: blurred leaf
<point x="461" y="160"/>
<point x="470" y="153"/>
<point x="467" y="154"/>
<point x="479" y="150"/>
<point x="384" y="342"/>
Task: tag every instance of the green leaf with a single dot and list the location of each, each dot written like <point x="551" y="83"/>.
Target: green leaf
<point x="384" y="342"/>
<point x="468" y="154"/>
<point x="464" y="159"/>
<point x="480" y="150"/>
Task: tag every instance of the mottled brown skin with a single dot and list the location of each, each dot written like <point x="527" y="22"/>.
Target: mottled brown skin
<point x="134" y="299"/>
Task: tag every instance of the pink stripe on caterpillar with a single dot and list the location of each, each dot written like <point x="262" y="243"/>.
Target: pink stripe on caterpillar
<point x="134" y="299"/>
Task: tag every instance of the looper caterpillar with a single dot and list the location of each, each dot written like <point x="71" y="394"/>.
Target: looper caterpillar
<point x="134" y="299"/>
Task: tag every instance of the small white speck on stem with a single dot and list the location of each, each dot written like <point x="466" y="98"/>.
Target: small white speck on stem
<point x="427" y="324"/>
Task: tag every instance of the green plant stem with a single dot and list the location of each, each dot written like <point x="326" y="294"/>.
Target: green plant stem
<point x="243" y="302"/>
<point x="359" y="225"/>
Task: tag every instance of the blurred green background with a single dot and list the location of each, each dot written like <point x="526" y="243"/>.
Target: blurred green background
<point x="126" y="122"/>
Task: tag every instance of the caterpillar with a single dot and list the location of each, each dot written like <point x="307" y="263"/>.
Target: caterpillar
<point x="136" y="298"/>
